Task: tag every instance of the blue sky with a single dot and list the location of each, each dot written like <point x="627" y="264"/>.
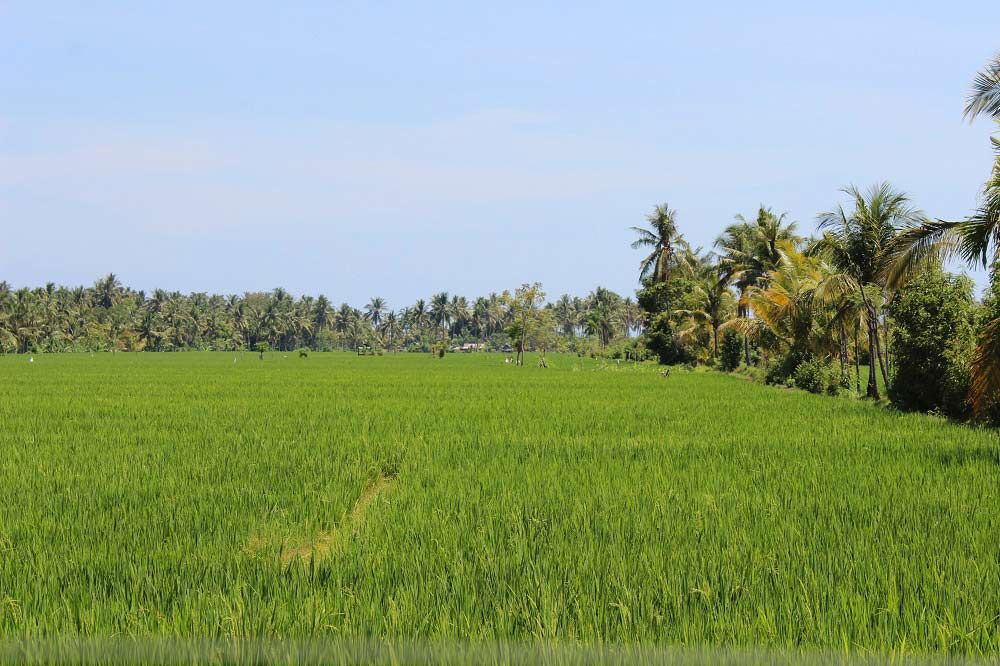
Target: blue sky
<point x="399" y="149"/>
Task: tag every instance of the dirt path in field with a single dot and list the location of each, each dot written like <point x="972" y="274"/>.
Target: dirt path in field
<point x="325" y="543"/>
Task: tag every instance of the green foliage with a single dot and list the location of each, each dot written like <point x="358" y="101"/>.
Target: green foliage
<point x="816" y="376"/>
<point x="932" y="343"/>
<point x="61" y="319"/>
<point x="731" y="351"/>
<point x="662" y="342"/>
<point x="158" y="495"/>
<point x="784" y="369"/>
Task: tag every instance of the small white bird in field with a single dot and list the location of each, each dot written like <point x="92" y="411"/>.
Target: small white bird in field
<point x="31" y="359"/>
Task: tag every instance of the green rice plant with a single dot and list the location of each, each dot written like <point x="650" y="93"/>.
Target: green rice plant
<point x="401" y="498"/>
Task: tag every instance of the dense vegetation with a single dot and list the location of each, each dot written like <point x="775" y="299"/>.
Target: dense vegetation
<point x="405" y="496"/>
<point x="110" y="317"/>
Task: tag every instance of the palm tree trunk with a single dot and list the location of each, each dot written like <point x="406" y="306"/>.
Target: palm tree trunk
<point x="857" y="356"/>
<point x="872" y="356"/>
<point x="873" y="346"/>
<point x="743" y="312"/>
<point x="842" y="335"/>
<point x="878" y="354"/>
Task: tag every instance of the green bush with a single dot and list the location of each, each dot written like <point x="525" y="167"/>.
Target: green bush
<point x="784" y="370"/>
<point x="731" y="351"/>
<point x="662" y="342"/>
<point x="932" y="342"/>
<point x="815" y="376"/>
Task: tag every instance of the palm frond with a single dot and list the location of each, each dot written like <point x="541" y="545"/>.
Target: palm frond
<point x="917" y="246"/>
<point x="984" y="99"/>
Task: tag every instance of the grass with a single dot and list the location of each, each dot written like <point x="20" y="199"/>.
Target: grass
<point x="405" y="497"/>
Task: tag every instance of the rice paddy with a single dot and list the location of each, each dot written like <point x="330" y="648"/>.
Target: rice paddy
<point x="403" y="497"/>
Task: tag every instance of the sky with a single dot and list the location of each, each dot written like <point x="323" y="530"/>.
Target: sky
<point x="361" y="149"/>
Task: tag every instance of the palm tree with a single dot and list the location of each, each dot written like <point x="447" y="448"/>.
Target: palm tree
<point x="323" y="314"/>
<point x="420" y="317"/>
<point x="663" y="237"/>
<point x="440" y="313"/>
<point x="342" y="322"/>
<point x="458" y="313"/>
<point x="107" y="289"/>
<point x="713" y="305"/>
<point x="788" y="302"/>
<point x="374" y="310"/>
<point x="566" y="314"/>
<point x="390" y="328"/>
<point x="985" y="96"/>
<point x="749" y="252"/>
<point x="866" y="245"/>
<point x="631" y="317"/>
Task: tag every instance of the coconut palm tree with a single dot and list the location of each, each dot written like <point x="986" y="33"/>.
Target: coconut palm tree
<point x="788" y="303"/>
<point x="984" y="98"/>
<point x="713" y="305"/>
<point x="664" y="239"/>
<point x="390" y="329"/>
<point x="459" y="313"/>
<point x="567" y="317"/>
<point x="374" y="311"/>
<point x="107" y="290"/>
<point x="749" y="251"/>
<point x="866" y="246"/>
<point x="440" y="313"/>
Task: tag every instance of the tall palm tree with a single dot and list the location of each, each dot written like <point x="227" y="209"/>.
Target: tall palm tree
<point x="420" y="316"/>
<point x="440" y="313"/>
<point x="664" y="239"/>
<point x="566" y="315"/>
<point x="749" y="251"/>
<point x="866" y="246"/>
<point x="323" y="314"/>
<point x="788" y="303"/>
<point x="713" y="305"/>
<point x="458" y="312"/>
<point x="374" y="311"/>
<point x="107" y="290"/>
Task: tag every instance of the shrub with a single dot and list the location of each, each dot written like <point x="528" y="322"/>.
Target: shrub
<point x="660" y="340"/>
<point x="784" y="369"/>
<point x="815" y="375"/>
<point x="932" y="342"/>
<point x="731" y="351"/>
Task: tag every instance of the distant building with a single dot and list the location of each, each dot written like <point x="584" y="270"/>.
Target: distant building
<point x="470" y="347"/>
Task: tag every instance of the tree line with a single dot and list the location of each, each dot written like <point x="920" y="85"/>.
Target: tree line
<point x="868" y="290"/>
<point x="111" y="317"/>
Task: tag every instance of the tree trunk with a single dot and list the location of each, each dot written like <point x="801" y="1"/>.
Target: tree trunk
<point x="878" y="354"/>
<point x="872" y="360"/>
<point x="842" y="335"/>
<point x="873" y="346"/>
<point x="743" y="313"/>
<point x="857" y="357"/>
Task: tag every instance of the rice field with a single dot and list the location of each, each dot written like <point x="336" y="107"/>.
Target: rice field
<point x="403" y="497"/>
